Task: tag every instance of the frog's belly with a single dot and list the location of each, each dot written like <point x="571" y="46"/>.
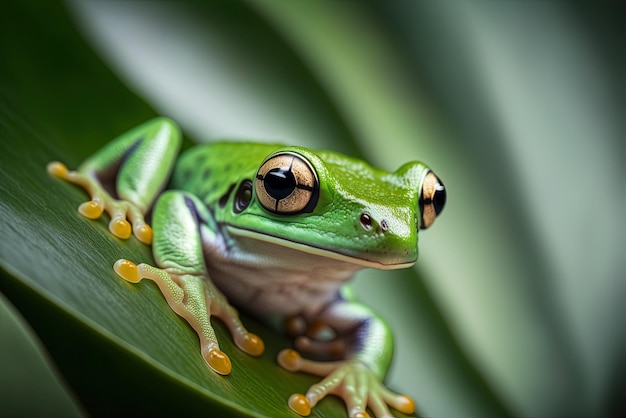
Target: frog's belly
<point x="268" y="279"/>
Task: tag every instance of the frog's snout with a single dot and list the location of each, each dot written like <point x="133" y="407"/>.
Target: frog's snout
<point x="386" y="238"/>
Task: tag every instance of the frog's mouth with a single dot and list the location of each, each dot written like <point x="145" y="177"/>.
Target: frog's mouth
<point x="318" y="251"/>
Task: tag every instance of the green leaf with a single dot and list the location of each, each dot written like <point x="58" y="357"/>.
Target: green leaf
<point x="28" y="368"/>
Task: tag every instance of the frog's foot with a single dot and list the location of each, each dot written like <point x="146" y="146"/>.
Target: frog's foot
<point x="351" y="380"/>
<point x="196" y="300"/>
<point x="101" y="200"/>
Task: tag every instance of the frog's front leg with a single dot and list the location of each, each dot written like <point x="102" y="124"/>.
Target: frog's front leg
<point x="179" y="221"/>
<point x="124" y="177"/>
<point x="358" y="378"/>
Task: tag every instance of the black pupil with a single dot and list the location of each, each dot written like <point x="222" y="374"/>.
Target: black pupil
<point x="439" y="199"/>
<point x="279" y="183"/>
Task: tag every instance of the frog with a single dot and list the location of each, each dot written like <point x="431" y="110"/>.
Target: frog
<point x="273" y="230"/>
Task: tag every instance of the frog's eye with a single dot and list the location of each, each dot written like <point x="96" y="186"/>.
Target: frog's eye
<point x="286" y="184"/>
<point x="243" y="196"/>
<point x="432" y="199"/>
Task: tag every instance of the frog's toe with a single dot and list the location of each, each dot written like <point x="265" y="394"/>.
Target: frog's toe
<point x="120" y="228"/>
<point x="127" y="270"/>
<point x="143" y="233"/>
<point x="247" y="342"/>
<point x="91" y="209"/>
<point x="292" y="361"/>
<point x="402" y="403"/>
<point x="250" y="343"/>
<point x="380" y="400"/>
<point x="335" y="349"/>
<point x="217" y="360"/>
<point x="57" y="169"/>
<point x="299" y="404"/>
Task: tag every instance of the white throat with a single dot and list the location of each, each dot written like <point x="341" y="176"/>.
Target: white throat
<point x="267" y="278"/>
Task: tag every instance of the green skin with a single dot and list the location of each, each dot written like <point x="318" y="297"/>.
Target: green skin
<point x="215" y="243"/>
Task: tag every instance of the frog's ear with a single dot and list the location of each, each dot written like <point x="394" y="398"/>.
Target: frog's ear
<point x="431" y="193"/>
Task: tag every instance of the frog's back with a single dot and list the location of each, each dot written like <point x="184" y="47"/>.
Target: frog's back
<point x="210" y="170"/>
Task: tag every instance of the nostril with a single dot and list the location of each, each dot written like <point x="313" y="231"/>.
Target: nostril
<point x="366" y="220"/>
<point x="368" y="223"/>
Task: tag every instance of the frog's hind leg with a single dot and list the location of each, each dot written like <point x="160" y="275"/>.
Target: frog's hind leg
<point x="183" y="279"/>
<point x="363" y="342"/>
<point x="124" y="177"/>
<point x="347" y="380"/>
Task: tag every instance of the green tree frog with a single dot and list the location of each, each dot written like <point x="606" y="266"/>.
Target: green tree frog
<point x="274" y="230"/>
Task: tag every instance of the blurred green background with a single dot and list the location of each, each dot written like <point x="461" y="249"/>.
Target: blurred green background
<point x="516" y="304"/>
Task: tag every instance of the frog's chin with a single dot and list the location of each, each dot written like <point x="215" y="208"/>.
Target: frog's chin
<point x="317" y="251"/>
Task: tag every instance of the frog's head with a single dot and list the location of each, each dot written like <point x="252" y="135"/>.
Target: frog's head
<point x="331" y="205"/>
